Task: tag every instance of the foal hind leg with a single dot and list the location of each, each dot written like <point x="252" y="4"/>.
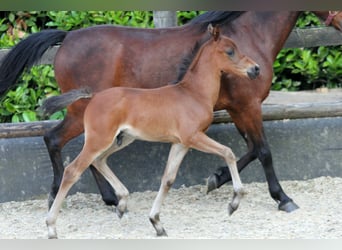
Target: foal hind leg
<point x="176" y="155"/>
<point x="71" y="174"/>
<point x="100" y="164"/>
<point x="205" y="144"/>
<point x="55" y="139"/>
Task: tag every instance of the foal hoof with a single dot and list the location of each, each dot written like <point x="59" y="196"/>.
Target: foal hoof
<point x="119" y="212"/>
<point x="231" y="209"/>
<point x="211" y="183"/>
<point x="161" y="233"/>
<point x="288" y="207"/>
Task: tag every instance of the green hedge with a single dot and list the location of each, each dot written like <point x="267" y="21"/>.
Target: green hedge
<point x="309" y="68"/>
<point x="295" y="69"/>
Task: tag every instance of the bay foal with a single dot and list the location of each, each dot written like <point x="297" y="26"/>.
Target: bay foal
<point x="179" y="114"/>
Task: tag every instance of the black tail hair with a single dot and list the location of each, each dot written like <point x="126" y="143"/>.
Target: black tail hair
<point x="25" y="54"/>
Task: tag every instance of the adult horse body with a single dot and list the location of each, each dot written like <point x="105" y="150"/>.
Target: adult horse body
<point x="98" y="58"/>
<point x="152" y="115"/>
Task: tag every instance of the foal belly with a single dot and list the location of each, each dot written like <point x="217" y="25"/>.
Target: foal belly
<point x="151" y="133"/>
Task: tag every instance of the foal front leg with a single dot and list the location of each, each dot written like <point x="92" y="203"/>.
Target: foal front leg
<point x="205" y="144"/>
<point x="176" y="155"/>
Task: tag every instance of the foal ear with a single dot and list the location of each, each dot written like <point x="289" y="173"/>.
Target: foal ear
<point x="214" y="31"/>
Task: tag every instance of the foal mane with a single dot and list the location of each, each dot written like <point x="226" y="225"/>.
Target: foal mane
<point x="215" y="18"/>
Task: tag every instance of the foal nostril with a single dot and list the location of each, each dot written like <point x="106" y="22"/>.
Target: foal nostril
<point x="253" y="72"/>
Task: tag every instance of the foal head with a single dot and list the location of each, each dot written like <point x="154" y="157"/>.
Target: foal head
<point x="228" y="56"/>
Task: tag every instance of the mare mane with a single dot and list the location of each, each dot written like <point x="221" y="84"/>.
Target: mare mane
<point x="215" y="18"/>
<point x="188" y="59"/>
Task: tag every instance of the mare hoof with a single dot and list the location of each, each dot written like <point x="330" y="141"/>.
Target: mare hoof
<point x="288" y="207"/>
<point x="53" y="237"/>
<point x="211" y="183"/>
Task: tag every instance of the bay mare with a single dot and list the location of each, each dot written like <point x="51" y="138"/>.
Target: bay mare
<point x="153" y="115"/>
<point x="104" y="56"/>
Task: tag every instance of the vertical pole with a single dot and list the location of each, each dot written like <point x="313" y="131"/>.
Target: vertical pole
<point x="163" y="19"/>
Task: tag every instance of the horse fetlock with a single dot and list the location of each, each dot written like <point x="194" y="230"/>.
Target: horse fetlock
<point x="241" y="192"/>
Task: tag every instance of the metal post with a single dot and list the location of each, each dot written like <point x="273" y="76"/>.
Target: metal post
<point x="163" y="19"/>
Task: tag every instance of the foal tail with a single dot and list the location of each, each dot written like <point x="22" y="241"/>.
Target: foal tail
<point x="25" y="54"/>
<point x="56" y="103"/>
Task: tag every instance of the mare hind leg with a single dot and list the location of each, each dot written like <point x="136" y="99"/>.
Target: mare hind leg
<point x="55" y="139"/>
<point x="176" y="155"/>
<point x="100" y="164"/>
<point x="257" y="148"/>
<point x="205" y="144"/>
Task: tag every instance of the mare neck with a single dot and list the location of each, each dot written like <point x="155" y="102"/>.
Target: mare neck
<point x="260" y="31"/>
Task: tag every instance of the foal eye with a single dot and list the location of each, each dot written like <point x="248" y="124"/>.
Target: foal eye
<point x="230" y="52"/>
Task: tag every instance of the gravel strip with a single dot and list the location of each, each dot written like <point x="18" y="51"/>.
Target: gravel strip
<point x="188" y="213"/>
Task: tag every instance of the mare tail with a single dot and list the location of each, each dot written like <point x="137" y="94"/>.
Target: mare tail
<point x="56" y="103"/>
<point x="25" y="54"/>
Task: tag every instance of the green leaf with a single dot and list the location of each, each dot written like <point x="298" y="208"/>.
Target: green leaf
<point x="11" y="17"/>
<point x="29" y="116"/>
<point x="15" y="118"/>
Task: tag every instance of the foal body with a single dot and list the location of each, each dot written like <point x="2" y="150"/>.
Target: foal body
<point x="179" y="114"/>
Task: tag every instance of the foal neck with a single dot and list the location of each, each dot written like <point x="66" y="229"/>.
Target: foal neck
<point x="203" y="76"/>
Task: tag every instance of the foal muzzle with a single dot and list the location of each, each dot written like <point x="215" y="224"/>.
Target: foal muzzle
<point x="253" y="72"/>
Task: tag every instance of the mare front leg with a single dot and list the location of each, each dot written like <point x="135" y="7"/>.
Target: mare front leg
<point x="251" y="128"/>
<point x="176" y="155"/>
<point x="55" y="139"/>
<point x="205" y="144"/>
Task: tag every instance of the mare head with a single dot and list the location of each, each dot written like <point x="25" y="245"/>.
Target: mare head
<point x="229" y="58"/>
